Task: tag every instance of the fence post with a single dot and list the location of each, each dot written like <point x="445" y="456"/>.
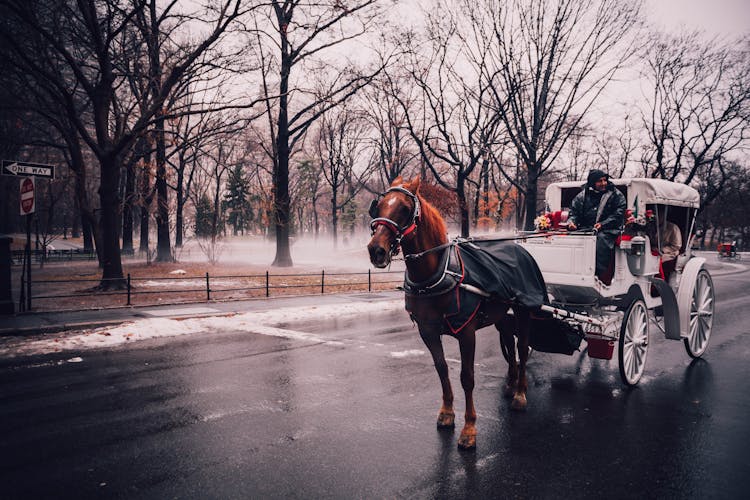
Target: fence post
<point x="322" y="280"/>
<point x="128" y="288"/>
<point x="369" y="280"/>
<point x="208" y="289"/>
<point x="266" y="284"/>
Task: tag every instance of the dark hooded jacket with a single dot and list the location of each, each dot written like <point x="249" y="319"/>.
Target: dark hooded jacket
<point x="584" y="207"/>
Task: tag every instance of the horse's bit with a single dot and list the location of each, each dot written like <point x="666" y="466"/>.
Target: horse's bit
<point x="398" y="231"/>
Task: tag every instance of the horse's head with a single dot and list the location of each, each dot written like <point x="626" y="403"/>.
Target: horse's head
<point x="394" y="215"/>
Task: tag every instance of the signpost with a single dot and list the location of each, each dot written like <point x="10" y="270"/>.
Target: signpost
<point x="27" y="203"/>
<point x="28" y="172"/>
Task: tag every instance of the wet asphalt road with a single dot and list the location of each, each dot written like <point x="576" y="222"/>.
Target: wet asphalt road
<point x="352" y="415"/>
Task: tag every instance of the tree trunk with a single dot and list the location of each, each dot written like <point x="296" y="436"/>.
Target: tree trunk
<point x="463" y="206"/>
<point x="128" y="208"/>
<point x="335" y="218"/>
<point x="316" y="218"/>
<point x="89" y="225"/>
<point x="179" y="217"/>
<point x="146" y="197"/>
<point x="281" y="213"/>
<point x="75" y="228"/>
<point x="532" y="179"/>
<point x="215" y="215"/>
<point x="486" y="182"/>
<point x="281" y="174"/>
<point x="164" y="249"/>
<point x="112" y="275"/>
<point x="475" y="208"/>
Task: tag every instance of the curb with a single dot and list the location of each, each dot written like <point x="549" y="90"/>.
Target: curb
<point x="132" y="315"/>
<point x="41" y="330"/>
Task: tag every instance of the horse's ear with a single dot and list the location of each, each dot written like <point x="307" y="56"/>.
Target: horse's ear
<point x="415" y="185"/>
<point x="397" y="181"/>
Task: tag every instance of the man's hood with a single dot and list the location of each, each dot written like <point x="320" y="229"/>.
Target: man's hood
<point x="594" y="176"/>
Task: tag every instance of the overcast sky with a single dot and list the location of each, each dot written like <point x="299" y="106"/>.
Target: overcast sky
<point x="717" y="17"/>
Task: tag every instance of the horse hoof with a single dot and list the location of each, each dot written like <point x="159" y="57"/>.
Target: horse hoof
<point x="519" y="402"/>
<point x="467" y="442"/>
<point x="509" y="391"/>
<point x="446" y="420"/>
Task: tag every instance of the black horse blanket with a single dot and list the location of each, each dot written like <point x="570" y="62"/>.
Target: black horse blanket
<point x="503" y="269"/>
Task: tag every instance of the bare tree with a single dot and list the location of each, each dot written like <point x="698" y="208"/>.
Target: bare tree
<point x="392" y="149"/>
<point x="457" y="128"/>
<point x="697" y="111"/>
<point x="339" y="148"/>
<point x="306" y="192"/>
<point x="32" y="74"/>
<point x="300" y="32"/>
<point x="615" y="149"/>
<point x="98" y="29"/>
<point x="551" y="60"/>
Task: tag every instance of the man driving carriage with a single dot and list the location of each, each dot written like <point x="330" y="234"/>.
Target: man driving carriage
<point x="600" y="206"/>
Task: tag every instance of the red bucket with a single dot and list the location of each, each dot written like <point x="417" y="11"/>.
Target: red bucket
<point x="600" y="348"/>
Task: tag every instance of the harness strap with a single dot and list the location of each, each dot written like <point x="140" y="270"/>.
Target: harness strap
<point x="382" y="221"/>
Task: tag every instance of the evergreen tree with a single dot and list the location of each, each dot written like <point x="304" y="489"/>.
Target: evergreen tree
<point x="237" y="201"/>
<point x="348" y="218"/>
<point x="204" y="216"/>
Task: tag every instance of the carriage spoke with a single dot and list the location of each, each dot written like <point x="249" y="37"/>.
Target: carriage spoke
<point x="634" y="343"/>
<point x="701" y="315"/>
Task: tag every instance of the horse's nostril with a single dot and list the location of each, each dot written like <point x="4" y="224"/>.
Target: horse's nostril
<point x="377" y="254"/>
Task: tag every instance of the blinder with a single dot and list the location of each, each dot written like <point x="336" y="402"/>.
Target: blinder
<point x="373" y="209"/>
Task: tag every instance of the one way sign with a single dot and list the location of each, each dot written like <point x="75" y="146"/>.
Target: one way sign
<point x="28" y="169"/>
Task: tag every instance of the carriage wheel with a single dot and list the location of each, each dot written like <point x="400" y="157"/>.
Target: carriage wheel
<point x="701" y="315"/>
<point x="633" y="343"/>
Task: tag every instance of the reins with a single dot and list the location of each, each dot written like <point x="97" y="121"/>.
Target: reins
<point x="413" y="256"/>
<point x="399" y="232"/>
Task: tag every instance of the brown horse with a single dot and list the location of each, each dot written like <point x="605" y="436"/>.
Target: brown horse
<point x="402" y="218"/>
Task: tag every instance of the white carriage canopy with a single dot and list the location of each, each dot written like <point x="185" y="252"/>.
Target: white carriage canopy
<point x="640" y="191"/>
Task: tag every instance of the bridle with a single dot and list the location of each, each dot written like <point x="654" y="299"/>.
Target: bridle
<point x="398" y="231"/>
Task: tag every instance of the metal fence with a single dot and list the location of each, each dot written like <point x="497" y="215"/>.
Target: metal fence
<point x="211" y="287"/>
<point x="17" y="256"/>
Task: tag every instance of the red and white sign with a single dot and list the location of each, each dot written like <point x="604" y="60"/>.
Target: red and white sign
<point x="27" y="195"/>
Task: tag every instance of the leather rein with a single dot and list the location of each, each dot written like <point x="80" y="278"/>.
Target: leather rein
<point x="399" y="232"/>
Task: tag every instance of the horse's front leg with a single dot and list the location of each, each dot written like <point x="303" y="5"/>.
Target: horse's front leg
<point x="467" y="345"/>
<point x="446" y="416"/>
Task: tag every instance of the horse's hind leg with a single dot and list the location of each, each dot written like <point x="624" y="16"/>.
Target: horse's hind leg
<point x="446" y="416"/>
<point x="522" y="332"/>
<point x="467" y="345"/>
<point x="505" y="328"/>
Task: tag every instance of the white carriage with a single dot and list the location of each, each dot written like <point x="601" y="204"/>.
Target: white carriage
<point x="621" y="313"/>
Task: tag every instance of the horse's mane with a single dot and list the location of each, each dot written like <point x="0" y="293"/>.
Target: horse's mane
<point x="432" y="225"/>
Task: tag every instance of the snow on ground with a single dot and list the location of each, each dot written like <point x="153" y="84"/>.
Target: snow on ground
<point x="197" y="283"/>
<point x="262" y="323"/>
